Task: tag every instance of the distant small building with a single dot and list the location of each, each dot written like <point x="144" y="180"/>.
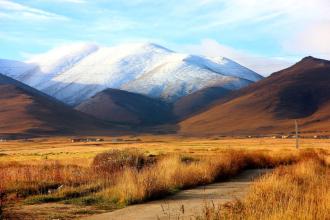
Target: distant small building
<point x="114" y="140"/>
<point x="321" y="136"/>
<point x="74" y="140"/>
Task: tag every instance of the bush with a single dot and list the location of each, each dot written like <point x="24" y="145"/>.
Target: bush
<point x="188" y="159"/>
<point x="115" y="161"/>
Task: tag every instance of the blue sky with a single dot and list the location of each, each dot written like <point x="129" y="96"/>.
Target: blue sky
<point x="264" y="35"/>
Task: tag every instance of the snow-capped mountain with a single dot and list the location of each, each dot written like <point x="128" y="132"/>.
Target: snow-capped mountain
<point x="75" y="73"/>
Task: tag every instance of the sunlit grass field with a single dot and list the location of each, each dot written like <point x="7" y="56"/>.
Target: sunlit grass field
<point x="93" y="177"/>
<point x="62" y="149"/>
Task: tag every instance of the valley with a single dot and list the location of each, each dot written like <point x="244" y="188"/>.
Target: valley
<point x="171" y="110"/>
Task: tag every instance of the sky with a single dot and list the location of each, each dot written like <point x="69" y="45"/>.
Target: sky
<point x="264" y="35"/>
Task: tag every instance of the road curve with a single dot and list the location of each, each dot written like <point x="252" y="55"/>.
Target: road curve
<point x="187" y="203"/>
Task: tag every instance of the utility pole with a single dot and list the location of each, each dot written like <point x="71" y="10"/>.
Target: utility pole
<point x="297" y="136"/>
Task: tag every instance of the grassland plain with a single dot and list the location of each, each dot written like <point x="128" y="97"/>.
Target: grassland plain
<point x="41" y="176"/>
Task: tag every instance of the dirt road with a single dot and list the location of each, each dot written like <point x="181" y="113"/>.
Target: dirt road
<point x="185" y="204"/>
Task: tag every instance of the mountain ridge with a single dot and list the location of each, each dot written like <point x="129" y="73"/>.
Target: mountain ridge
<point x="27" y="112"/>
<point x="301" y="92"/>
<point x="75" y="73"/>
<point x="124" y="107"/>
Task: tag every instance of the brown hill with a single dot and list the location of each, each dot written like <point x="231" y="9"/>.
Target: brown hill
<point x="198" y="101"/>
<point x="24" y="111"/>
<point x="120" y="106"/>
<point x="270" y="106"/>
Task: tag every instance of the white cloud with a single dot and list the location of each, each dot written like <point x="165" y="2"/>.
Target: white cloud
<point x="312" y="40"/>
<point x="14" y="10"/>
<point x="278" y="19"/>
<point x="312" y="31"/>
<point x="298" y="28"/>
<point x="242" y="12"/>
<point x="287" y="27"/>
<point x="260" y="64"/>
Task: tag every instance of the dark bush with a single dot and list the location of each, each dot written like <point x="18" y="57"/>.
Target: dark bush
<point x="116" y="160"/>
<point x="188" y="159"/>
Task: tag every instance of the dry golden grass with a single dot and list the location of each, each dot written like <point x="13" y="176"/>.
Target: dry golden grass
<point x="299" y="191"/>
<point x="63" y="150"/>
<point x="56" y="170"/>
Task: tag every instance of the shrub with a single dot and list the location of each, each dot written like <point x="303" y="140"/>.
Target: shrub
<point x="116" y="160"/>
<point x="188" y="159"/>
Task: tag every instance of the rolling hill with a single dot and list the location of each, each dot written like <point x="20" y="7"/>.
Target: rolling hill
<point x="24" y="111"/>
<point x="128" y="108"/>
<point x="198" y="101"/>
<point x="271" y="105"/>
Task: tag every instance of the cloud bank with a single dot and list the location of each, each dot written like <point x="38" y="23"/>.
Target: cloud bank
<point x="263" y="35"/>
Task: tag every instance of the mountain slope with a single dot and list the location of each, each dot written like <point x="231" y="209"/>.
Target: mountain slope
<point x="270" y="106"/>
<point x="75" y="73"/>
<point x="125" y="107"/>
<point x="198" y="101"/>
<point x="26" y="111"/>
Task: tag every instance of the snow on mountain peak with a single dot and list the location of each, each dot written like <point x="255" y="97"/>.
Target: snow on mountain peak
<point x="64" y="51"/>
<point x="61" y="58"/>
<point x="74" y="73"/>
<point x="153" y="46"/>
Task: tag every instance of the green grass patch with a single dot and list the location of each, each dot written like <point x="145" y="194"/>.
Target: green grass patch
<point x="38" y="199"/>
<point x="85" y="212"/>
<point x="96" y="200"/>
<point x="64" y="194"/>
